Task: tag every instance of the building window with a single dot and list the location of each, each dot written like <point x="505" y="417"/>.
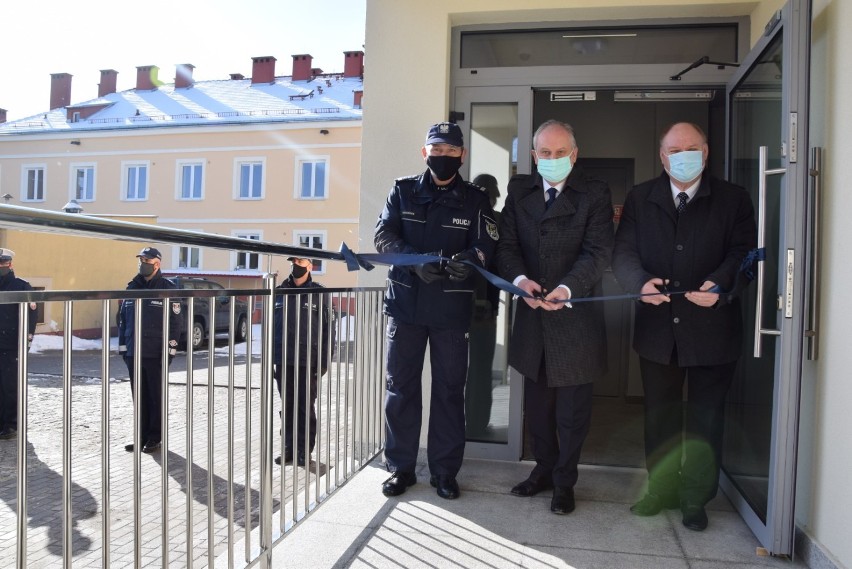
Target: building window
<point x="248" y="261"/>
<point x="135" y="182"/>
<point x="33" y="190"/>
<point x="189" y="258"/>
<point x="249" y="183"/>
<point x="83" y="183"/>
<point x="312" y="240"/>
<point x="190" y="180"/>
<point x="312" y="178"/>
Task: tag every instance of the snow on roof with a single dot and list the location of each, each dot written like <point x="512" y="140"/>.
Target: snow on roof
<point x="328" y="97"/>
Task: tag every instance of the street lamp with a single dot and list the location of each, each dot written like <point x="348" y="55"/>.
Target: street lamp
<point x="72" y="207"/>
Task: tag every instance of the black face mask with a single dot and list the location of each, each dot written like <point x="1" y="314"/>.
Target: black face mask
<point x="444" y="167"/>
<point x="146" y="269"/>
<point x="298" y="271"/>
<point x="5" y="271"/>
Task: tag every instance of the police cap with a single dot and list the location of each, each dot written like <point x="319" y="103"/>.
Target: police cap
<point x="445" y="133"/>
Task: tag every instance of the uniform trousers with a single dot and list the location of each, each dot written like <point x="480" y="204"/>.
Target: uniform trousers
<point x="151" y="402"/>
<point x="406" y="350"/>
<point x="290" y="395"/>
<point x="558" y="420"/>
<point x="683" y="445"/>
<point x="9" y="389"/>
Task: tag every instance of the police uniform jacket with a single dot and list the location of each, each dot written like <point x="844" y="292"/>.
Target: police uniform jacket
<point x="570" y="243"/>
<point x="708" y="241"/>
<point x="152" y="318"/>
<point x="9" y="316"/>
<point x="420" y="218"/>
<point x="307" y="308"/>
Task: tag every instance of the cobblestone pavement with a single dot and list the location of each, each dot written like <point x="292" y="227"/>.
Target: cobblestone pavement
<point x="44" y="539"/>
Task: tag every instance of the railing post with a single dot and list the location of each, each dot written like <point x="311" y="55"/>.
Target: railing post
<point x="266" y="423"/>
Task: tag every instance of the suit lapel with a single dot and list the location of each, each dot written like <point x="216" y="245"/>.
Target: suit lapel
<point x="661" y="196"/>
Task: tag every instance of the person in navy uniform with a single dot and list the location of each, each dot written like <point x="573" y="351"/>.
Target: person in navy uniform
<point x="9" y="328"/>
<point x="151" y="358"/>
<point x="307" y="329"/>
<point x="684" y="231"/>
<point x="435" y="212"/>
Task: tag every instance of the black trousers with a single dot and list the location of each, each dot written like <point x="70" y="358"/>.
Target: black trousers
<point x="9" y="389"/>
<point x="683" y="444"/>
<point x="290" y="403"/>
<point x="151" y="404"/>
<point x="558" y="419"/>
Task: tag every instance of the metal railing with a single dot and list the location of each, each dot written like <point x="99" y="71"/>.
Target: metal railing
<point x="219" y="432"/>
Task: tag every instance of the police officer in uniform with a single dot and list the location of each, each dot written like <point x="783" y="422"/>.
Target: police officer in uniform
<point x="439" y="213"/>
<point x="151" y="384"/>
<point x="308" y="319"/>
<point x="9" y="327"/>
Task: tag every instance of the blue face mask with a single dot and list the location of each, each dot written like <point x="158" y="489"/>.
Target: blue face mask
<point x="686" y="166"/>
<point x="554" y="170"/>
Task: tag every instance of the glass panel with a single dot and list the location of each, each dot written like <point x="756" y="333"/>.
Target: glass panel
<point x="493" y="140"/>
<point x="307" y="179"/>
<point x="756" y="118"/>
<point x="584" y="46"/>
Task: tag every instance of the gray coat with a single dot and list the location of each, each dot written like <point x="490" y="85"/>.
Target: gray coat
<point x="570" y="244"/>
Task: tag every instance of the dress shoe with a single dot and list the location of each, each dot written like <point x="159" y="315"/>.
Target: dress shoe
<point x="651" y="505"/>
<point x="151" y="447"/>
<point x="563" y="500"/>
<point x="398" y="483"/>
<point x="694" y="517"/>
<point x="447" y="486"/>
<point x="531" y="487"/>
<point x="8" y="433"/>
<point x="288" y="457"/>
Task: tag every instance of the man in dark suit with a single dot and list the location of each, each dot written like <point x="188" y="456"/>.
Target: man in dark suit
<point x="556" y="237"/>
<point x="684" y="231"/>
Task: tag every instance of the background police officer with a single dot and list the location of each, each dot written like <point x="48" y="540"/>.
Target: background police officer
<point x="9" y="327"/>
<point x="308" y="319"/>
<point x="434" y="212"/>
<point x="151" y="358"/>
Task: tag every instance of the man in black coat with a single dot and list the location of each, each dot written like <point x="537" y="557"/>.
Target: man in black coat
<point x="305" y="358"/>
<point x="556" y="238"/>
<point x="150" y="388"/>
<point x="684" y="231"/>
<point x="9" y="329"/>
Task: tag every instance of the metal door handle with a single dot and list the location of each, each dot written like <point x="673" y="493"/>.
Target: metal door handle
<point x="814" y="261"/>
<point x="763" y="173"/>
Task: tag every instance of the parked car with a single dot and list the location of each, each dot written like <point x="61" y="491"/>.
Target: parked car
<point x="201" y="328"/>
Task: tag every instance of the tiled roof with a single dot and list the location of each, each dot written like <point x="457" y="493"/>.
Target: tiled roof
<point x="226" y="101"/>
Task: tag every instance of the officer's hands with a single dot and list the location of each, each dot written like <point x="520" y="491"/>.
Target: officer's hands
<point x="172" y="353"/>
<point x="655" y="285"/>
<point x="429" y="272"/>
<point x="703" y="298"/>
<point x="458" y="270"/>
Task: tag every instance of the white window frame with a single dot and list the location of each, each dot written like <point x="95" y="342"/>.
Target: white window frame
<point x="297" y="182"/>
<point x="235" y="255"/>
<point x="180" y="164"/>
<point x="72" y="190"/>
<point x="25" y="170"/>
<point x="238" y="164"/>
<point x="125" y="167"/>
<point x="319" y="267"/>
<point x="176" y="250"/>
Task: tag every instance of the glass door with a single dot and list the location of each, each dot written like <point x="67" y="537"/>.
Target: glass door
<point x="767" y="154"/>
<point x="496" y="122"/>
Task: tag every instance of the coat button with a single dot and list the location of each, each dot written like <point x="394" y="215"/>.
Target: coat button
<point x="676" y="320"/>
<point x="676" y="283"/>
<point x="679" y="247"/>
<point x="543" y="281"/>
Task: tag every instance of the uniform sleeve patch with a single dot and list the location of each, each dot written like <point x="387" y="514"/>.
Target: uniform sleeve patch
<point x="176" y="307"/>
<point x="491" y="228"/>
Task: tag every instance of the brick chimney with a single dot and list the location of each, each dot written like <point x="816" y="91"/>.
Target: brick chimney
<point x="60" y="90"/>
<point x="302" y="67"/>
<point x="109" y="78"/>
<point x="353" y="63"/>
<point x="263" y="69"/>
<point x="183" y="75"/>
<point x="3" y="115"/>
<point x="359" y="94"/>
<point x="146" y="78"/>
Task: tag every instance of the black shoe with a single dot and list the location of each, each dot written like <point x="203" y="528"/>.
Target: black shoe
<point x="563" y="500"/>
<point x="129" y="448"/>
<point x="694" y="517"/>
<point x="8" y="433"/>
<point x="151" y="446"/>
<point x="447" y="486"/>
<point x="531" y="487"/>
<point x="651" y="505"/>
<point x="288" y="457"/>
<point x="300" y="458"/>
<point x="398" y="483"/>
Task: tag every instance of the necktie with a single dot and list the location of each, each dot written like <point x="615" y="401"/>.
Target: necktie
<point x="682" y="197"/>
<point x="551" y="197"/>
